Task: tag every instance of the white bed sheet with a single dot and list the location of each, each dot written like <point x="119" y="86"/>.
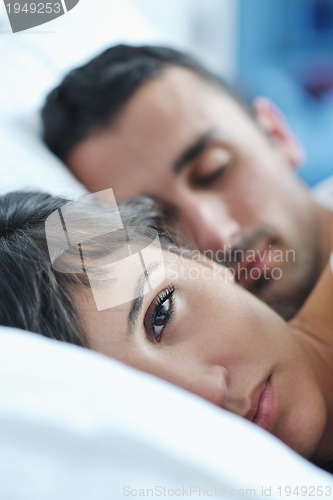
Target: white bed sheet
<point x="77" y="425"/>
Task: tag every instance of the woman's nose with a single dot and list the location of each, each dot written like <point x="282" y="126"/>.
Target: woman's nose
<point x="212" y="385"/>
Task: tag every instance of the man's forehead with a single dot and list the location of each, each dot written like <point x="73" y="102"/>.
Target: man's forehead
<point x="161" y="102"/>
<point x="177" y="106"/>
<point x="175" y="85"/>
<point x="165" y="117"/>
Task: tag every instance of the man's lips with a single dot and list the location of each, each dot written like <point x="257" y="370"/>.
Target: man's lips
<point x="254" y="268"/>
<point x="262" y="408"/>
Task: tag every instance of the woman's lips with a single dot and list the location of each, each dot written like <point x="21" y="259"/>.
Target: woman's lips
<point x="262" y="405"/>
<point x="265" y="412"/>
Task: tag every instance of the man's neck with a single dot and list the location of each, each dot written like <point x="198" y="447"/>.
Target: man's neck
<point x="325" y="232"/>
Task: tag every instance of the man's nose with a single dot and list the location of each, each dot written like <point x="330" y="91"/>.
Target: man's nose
<point x="210" y="224"/>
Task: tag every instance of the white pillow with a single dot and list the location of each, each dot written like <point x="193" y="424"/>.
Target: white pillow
<point x="77" y="425"/>
<point x="32" y="63"/>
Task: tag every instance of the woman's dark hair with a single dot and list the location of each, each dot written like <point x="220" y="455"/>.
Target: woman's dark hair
<point x="90" y="98"/>
<point x="33" y="295"/>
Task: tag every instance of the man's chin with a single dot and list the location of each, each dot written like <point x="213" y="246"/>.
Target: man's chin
<point x="285" y="299"/>
<point x="270" y="291"/>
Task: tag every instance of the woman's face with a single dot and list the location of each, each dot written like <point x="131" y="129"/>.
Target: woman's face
<point x="199" y="330"/>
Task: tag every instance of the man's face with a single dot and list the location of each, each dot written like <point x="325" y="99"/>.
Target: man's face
<point x="184" y="141"/>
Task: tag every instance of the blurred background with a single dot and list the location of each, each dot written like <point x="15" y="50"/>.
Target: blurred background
<point x="279" y="48"/>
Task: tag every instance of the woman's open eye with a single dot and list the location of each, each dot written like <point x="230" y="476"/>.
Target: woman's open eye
<point x="159" y="313"/>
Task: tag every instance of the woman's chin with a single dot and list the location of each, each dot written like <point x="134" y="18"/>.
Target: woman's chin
<point x="305" y="435"/>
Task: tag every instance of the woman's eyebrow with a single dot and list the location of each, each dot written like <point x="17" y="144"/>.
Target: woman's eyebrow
<point x="138" y="301"/>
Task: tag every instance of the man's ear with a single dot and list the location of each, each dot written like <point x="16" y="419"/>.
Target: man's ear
<point x="275" y="125"/>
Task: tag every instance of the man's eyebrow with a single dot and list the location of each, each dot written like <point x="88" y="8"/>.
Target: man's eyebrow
<point x="194" y="150"/>
<point x="138" y="301"/>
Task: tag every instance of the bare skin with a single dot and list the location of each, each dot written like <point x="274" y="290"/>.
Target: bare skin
<point x="187" y="143"/>
<point x="201" y="331"/>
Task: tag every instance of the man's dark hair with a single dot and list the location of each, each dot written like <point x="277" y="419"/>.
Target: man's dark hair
<point x="91" y="97"/>
<point x="33" y="295"/>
